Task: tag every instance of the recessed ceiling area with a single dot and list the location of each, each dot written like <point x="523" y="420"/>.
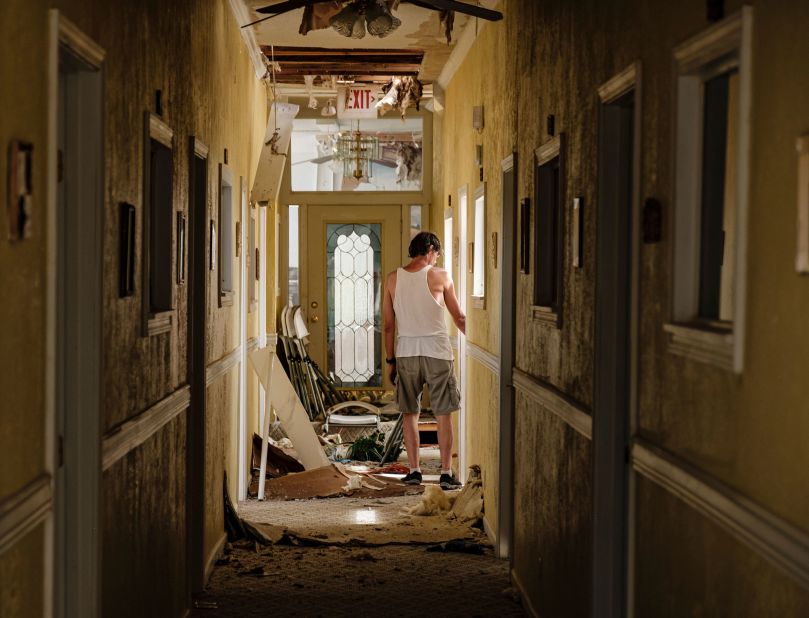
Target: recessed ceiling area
<point x="364" y="65"/>
<point x="421" y="31"/>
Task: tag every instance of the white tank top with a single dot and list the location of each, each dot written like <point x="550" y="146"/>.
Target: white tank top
<point x="420" y="323"/>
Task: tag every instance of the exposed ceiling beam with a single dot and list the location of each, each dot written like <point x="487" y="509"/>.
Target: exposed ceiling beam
<point x="320" y="61"/>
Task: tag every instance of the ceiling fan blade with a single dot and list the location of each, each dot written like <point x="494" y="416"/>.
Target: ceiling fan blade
<point x="459" y="7"/>
<point x="284" y="7"/>
<point x="317" y="160"/>
<point x="384" y="162"/>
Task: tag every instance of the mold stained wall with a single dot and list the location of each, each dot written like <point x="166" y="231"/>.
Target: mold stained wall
<point x="23" y="309"/>
<point x="746" y="431"/>
<point x="484" y="78"/>
<point x="194" y="53"/>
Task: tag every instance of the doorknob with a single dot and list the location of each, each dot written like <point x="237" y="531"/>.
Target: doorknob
<point x="314" y="318"/>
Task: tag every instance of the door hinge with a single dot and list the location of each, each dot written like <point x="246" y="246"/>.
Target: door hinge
<point x="60" y="451"/>
<point x="60" y="165"/>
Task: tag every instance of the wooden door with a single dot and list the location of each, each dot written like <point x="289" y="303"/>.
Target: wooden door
<point x="350" y="250"/>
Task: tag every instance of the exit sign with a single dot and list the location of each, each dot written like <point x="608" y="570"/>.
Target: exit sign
<point x="358" y="102"/>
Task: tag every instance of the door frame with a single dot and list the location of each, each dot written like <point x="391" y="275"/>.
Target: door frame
<point x="508" y="287"/>
<point x="74" y="590"/>
<point x="463" y="275"/>
<point x="614" y="505"/>
<point x="197" y="361"/>
<point x="306" y="268"/>
<point x="244" y="302"/>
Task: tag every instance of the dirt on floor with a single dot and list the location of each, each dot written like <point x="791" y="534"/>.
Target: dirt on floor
<point x="333" y="581"/>
<point x="358" y="556"/>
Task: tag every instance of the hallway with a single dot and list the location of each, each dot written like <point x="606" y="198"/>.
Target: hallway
<point x="205" y="205"/>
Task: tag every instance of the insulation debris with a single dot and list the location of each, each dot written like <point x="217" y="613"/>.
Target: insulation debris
<point x="433" y="502"/>
<point x="468" y="505"/>
<point x="400" y="93"/>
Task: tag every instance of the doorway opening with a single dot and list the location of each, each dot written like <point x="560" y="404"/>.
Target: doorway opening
<point x="508" y="263"/>
<point x="78" y="280"/>
<point x="615" y="328"/>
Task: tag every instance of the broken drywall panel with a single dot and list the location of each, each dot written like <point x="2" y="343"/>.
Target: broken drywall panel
<point x="283" y="398"/>
<point x="273" y="157"/>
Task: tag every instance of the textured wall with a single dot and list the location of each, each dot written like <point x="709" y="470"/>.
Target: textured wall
<point x="549" y="58"/>
<point x="22" y="574"/>
<point x="687" y="566"/>
<point x="193" y="52"/>
<point x="552" y="505"/>
<point x="22" y="276"/>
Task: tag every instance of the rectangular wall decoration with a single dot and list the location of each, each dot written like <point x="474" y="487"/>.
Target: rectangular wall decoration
<point x="19" y="190"/>
<point x="525" y="235"/>
<point x="212" y="250"/>
<point x="126" y="260"/>
<point x="180" y="248"/>
<point x="576" y="240"/>
<point x="802" y="250"/>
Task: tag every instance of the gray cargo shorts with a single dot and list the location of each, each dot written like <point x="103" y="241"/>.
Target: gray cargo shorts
<point x="413" y="372"/>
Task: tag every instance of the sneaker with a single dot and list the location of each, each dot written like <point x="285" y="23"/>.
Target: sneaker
<point x="448" y="481"/>
<point x="412" y="478"/>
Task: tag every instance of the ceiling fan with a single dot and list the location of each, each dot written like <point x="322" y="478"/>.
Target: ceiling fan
<point x="273" y="10"/>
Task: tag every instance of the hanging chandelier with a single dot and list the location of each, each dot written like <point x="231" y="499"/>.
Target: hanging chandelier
<point x="357" y="151"/>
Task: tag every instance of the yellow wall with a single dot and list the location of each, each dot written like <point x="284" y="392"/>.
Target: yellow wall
<point x="194" y="53"/>
<point x="549" y="58"/>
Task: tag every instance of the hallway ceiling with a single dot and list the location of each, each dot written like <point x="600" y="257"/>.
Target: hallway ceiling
<point x="420" y="32"/>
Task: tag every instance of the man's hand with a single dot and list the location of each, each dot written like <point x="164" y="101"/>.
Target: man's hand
<point x="392" y="372"/>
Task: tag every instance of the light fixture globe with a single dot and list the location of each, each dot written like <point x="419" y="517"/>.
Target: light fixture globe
<point x="380" y="20"/>
<point x="328" y="110"/>
<point x="345" y="22"/>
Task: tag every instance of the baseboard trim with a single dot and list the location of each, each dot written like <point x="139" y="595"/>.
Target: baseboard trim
<point x="525" y="600"/>
<point x="134" y="432"/>
<point x="777" y="541"/>
<point x="24" y="510"/>
<point x="484" y="357"/>
<point x="547" y="396"/>
<point x="221" y="367"/>
<point x="487" y="528"/>
<point x="213" y="556"/>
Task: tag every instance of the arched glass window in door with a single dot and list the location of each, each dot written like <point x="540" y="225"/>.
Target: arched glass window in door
<point x="354" y="285"/>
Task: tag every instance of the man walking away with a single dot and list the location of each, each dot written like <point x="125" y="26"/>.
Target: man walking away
<point x="415" y="298"/>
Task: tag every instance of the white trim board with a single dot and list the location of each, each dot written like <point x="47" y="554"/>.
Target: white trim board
<point x="572" y="413"/>
<point x="24" y="510"/>
<point x="620" y="84"/>
<point x="136" y="431"/>
<point x="220" y="367"/>
<point x="769" y="536"/>
<point x="484" y="357"/>
<point x="487" y="528"/>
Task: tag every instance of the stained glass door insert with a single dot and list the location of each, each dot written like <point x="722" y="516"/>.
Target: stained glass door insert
<point x="354" y="292"/>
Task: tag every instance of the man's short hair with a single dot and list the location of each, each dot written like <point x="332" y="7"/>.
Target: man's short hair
<point x="422" y="243"/>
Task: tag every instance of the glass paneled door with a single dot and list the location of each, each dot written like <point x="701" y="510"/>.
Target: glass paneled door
<point x="350" y="250"/>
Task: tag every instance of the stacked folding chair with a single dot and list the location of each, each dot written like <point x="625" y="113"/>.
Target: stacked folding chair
<point x="317" y="393"/>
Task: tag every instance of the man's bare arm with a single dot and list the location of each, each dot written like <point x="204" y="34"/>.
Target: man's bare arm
<point x="454" y="308"/>
<point x="389" y="319"/>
